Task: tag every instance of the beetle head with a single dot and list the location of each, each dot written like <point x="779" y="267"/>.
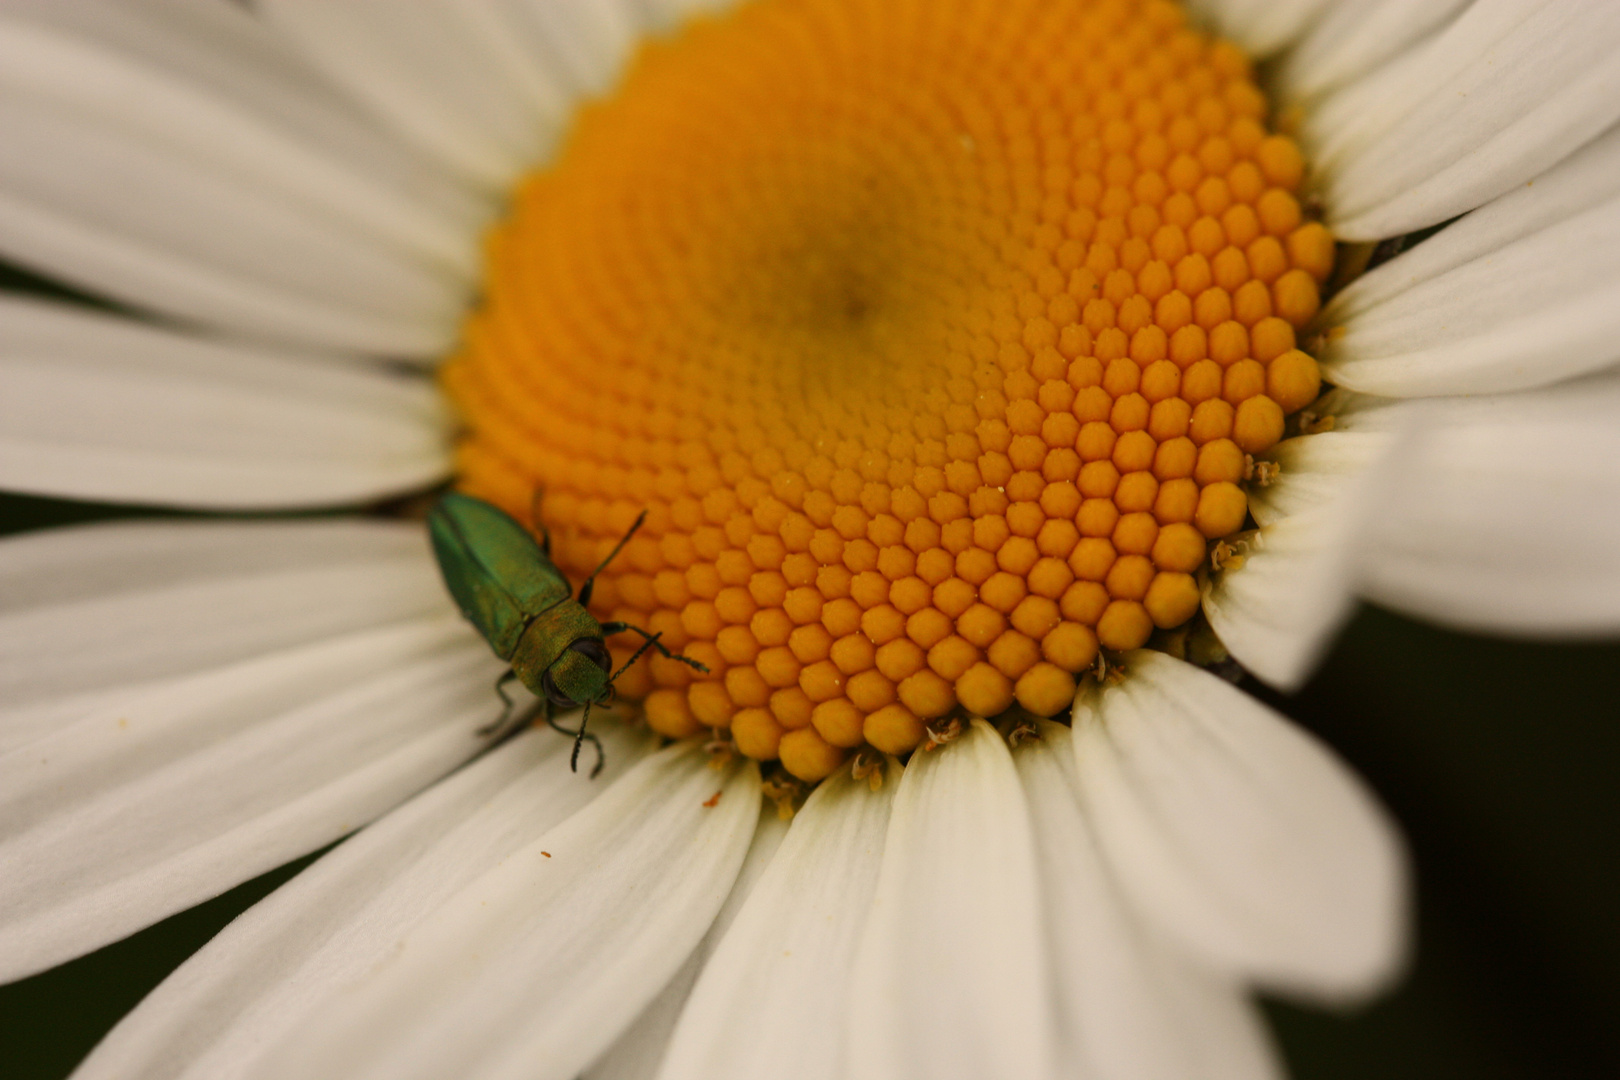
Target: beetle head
<point x="579" y="675"/>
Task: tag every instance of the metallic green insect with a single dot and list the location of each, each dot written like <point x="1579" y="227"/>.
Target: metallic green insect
<point x="507" y="586"/>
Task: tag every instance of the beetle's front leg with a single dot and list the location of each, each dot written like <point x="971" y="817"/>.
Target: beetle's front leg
<point x="508" y="676"/>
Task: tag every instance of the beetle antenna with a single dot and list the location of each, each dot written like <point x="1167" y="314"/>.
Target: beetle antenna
<point x="579" y="738"/>
<point x="645" y="645"/>
<point x="610" y="628"/>
<point x="579" y="735"/>
<point x="590" y="582"/>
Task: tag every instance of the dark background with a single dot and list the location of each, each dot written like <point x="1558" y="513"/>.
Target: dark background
<point x="1497" y="757"/>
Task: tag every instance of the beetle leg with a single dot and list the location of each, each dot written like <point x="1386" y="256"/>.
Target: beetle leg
<point x="609" y="628"/>
<point x="508" y="676"/>
<point x="515" y="727"/>
<point x="590" y="582"/>
<point x="536" y="526"/>
<point x="506" y="725"/>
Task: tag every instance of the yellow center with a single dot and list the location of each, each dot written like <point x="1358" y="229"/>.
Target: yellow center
<point x="932" y="336"/>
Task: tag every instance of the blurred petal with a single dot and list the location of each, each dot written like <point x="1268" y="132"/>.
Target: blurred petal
<point x="486" y="86"/>
<point x="249" y="988"/>
<point x="951" y="977"/>
<point x="176" y="157"/>
<point x="1519" y="293"/>
<point x="283" y="125"/>
<point x="1260" y="26"/>
<point x="588" y="41"/>
<point x="1500" y="95"/>
<point x="98" y="407"/>
<point x="1353" y="37"/>
<point x="157" y="603"/>
<point x="1505" y="513"/>
<point x="1238" y="835"/>
<point x="533" y="969"/>
<point x="1133" y="1007"/>
<point x="178" y="791"/>
<point x="256" y="691"/>
<point x="667" y="14"/>
<point x="785" y="966"/>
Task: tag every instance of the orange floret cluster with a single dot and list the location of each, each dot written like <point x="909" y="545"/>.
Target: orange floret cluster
<point x="935" y="338"/>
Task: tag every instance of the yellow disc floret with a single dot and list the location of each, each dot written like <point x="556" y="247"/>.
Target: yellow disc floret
<point x="935" y="338"/>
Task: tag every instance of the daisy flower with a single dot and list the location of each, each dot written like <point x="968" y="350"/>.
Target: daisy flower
<point x="971" y="363"/>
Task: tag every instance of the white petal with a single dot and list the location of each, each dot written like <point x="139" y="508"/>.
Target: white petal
<point x="1315" y="471"/>
<point x="1584" y="181"/>
<point x="257" y="690"/>
<point x="1238" y="834"/>
<point x="159" y="602"/>
<point x="1276" y="610"/>
<point x="589" y="41"/>
<point x="249" y="988"/>
<point x="1261" y="26"/>
<point x="1505" y="513"/>
<point x="951" y="977"/>
<point x="218" y="85"/>
<point x="533" y="969"/>
<point x="98" y="407"/>
<point x="484" y="85"/>
<point x="639" y="1050"/>
<point x="772" y="999"/>
<point x="667" y="14"/>
<point x="1353" y="38"/>
<point x="172" y="162"/>
<point x="1496" y="98"/>
<point x="1519" y="293"/>
<point x="172" y="794"/>
<point x="1132" y="1006"/>
<point x="637" y="1053"/>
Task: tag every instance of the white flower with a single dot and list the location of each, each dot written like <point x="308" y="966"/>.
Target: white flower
<point x="184" y="705"/>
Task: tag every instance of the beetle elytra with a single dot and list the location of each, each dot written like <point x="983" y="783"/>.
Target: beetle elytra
<point x="505" y="583"/>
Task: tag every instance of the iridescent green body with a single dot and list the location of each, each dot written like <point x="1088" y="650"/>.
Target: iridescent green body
<point x="506" y="585"/>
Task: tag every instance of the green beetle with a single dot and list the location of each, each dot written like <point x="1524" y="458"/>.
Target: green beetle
<point x="505" y="583"/>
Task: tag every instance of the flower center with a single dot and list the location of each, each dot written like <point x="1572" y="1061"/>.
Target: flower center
<point x="933" y="338"/>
